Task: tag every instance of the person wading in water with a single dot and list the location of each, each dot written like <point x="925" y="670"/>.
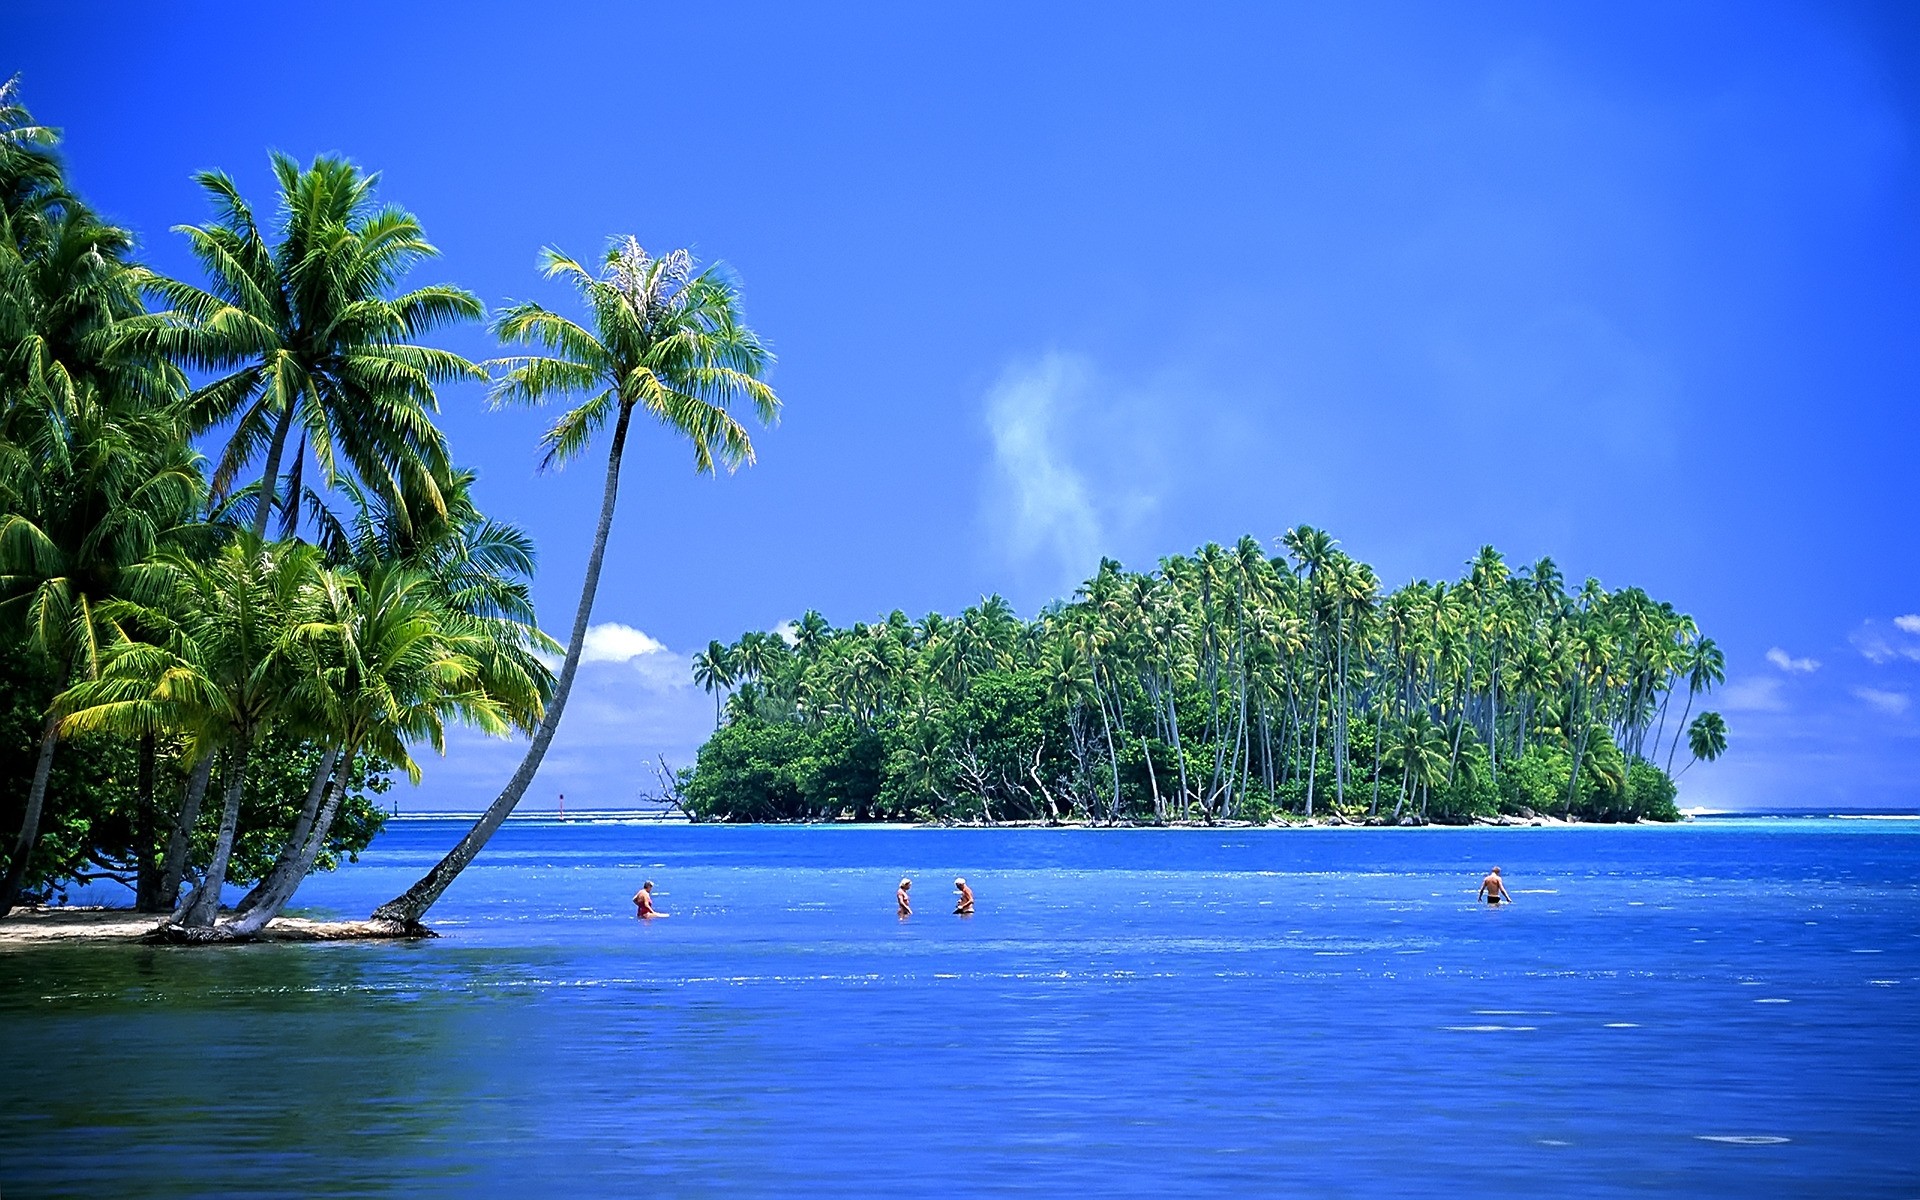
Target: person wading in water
<point x="1494" y="889"/>
<point x="643" y="903"/>
<point x="906" y="907"/>
<point x="965" y="906"/>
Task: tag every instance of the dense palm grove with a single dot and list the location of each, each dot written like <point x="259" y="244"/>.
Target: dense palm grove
<point x="1226" y="685"/>
<point x="214" y="668"/>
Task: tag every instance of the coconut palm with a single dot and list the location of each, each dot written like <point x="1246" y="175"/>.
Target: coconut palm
<point x="1706" y="738"/>
<point x="304" y="334"/>
<point x="214" y="657"/>
<point x="713" y="671"/>
<point x="1706" y="668"/>
<point x="390" y="662"/>
<point x="95" y="471"/>
<point x="667" y="342"/>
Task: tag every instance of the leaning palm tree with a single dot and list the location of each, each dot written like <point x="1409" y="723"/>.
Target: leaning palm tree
<point x="213" y="657"/>
<point x="303" y="335"/>
<point x="666" y="342"/>
<point x="1706" y="738"/>
<point x="392" y="663"/>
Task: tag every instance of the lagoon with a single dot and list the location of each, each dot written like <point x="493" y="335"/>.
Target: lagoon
<point x="1722" y="1008"/>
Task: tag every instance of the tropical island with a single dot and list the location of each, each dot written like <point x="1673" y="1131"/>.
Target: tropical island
<point x="243" y="578"/>
<point x="1225" y="685"/>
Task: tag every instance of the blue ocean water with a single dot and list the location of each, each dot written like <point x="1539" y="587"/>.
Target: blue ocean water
<point x="1724" y="1008"/>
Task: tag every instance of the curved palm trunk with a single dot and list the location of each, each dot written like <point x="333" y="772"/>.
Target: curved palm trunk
<point x="1678" y="732"/>
<point x="30" y="820"/>
<point x="268" y="900"/>
<point x="174" y="869"/>
<point x="289" y="854"/>
<point x="205" y="903"/>
<point x="412" y="904"/>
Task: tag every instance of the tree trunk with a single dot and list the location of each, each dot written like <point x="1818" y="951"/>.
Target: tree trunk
<point x="1153" y="780"/>
<point x="412" y="904"/>
<point x="1679" y="732"/>
<point x="30" y="820"/>
<point x="205" y="904"/>
<point x="271" y="897"/>
<point x="1313" y="755"/>
<point x="174" y="868"/>
<point x="296" y="840"/>
<point x="270" y="480"/>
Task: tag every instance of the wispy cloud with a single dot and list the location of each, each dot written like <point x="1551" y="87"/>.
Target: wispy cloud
<point x="1793" y="666"/>
<point x="1891" y="703"/>
<point x="1758" y="694"/>
<point x="1880" y="645"/>
<point x="1041" y="495"/>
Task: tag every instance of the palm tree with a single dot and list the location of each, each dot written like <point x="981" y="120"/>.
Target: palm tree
<point x="713" y="671"/>
<point x="95" y="471"/>
<point x="668" y="342"/>
<point x="303" y="332"/>
<point x="1706" y="669"/>
<point x="213" y="658"/>
<point x="1706" y="738"/>
<point x="391" y="663"/>
<point x="1419" y="752"/>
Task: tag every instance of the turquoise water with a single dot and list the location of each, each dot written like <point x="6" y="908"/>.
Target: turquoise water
<point x="1129" y="1013"/>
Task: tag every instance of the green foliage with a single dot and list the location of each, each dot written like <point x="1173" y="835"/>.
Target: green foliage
<point x="149" y="633"/>
<point x="1230" y="685"/>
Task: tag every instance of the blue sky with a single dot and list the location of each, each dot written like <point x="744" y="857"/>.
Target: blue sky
<point x="1631" y="285"/>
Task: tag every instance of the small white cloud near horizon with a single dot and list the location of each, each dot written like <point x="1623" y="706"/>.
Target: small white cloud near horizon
<point x="789" y="632"/>
<point x="1046" y="506"/>
<point x="1891" y="703"/>
<point x="1759" y="694"/>
<point x="1791" y="665"/>
<point x="614" y="642"/>
<point x="1909" y="623"/>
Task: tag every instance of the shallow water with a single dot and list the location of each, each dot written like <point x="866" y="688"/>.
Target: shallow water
<point x="1727" y="1008"/>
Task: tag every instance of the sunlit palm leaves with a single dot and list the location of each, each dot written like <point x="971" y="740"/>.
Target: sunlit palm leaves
<point x="308" y="341"/>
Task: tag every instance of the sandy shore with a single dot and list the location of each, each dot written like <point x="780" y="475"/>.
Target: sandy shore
<point x="47" y="926"/>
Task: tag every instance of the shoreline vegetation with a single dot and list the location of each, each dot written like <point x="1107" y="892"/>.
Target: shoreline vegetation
<point x="244" y="579"/>
<point x="1228" y="684"/>
<point x="210" y="670"/>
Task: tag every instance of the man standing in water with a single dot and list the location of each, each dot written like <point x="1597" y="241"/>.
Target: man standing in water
<point x="1494" y="889"/>
<point x="965" y="907"/>
<point x="643" y="903"/>
<point x="906" y="908"/>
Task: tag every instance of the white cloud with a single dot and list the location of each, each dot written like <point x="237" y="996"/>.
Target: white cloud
<point x="789" y="632"/>
<point x="1759" y="694"/>
<point x="1042" y="495"/>
<point x="1880" y="647"/>
<point x="614" y="642"/>
<point x="1788" y="663"/>
<point x="1891" y="703"/>
<point x="633" y="701"/>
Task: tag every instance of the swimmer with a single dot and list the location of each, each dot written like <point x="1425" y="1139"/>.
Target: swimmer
<point x="1494" y="889"/>
<point x="643" y="903"/>
<point x="906" y="908"/>
<point x="965" y="907"/>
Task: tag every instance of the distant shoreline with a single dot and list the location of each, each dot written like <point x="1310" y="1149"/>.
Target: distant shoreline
<point x="641" y="817"/>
